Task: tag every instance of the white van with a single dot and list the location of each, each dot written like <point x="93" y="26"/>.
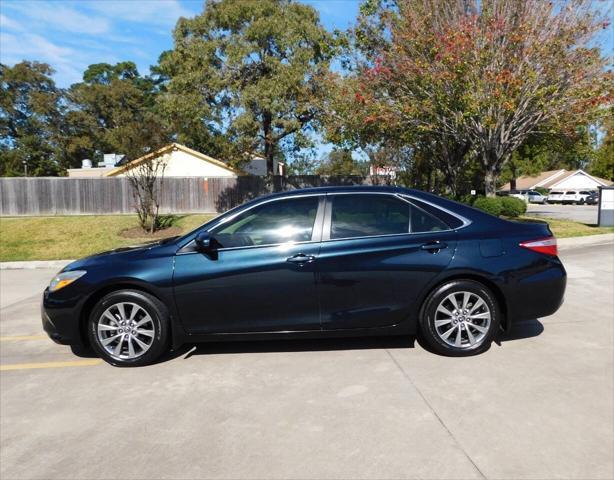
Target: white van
<point x="555" y="197"/>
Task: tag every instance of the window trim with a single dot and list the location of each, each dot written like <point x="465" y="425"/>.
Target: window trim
<point x="316" y="233"/>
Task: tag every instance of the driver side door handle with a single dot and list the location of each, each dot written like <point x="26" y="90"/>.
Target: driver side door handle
<point x="434" y="247"/>
<point x="301" y="259"/>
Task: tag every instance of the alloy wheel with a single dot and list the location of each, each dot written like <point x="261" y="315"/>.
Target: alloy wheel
<point x="125" y="330"/>
<point x="462" y="319"/>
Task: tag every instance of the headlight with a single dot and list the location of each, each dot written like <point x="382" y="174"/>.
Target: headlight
<point x="65" y="278"/>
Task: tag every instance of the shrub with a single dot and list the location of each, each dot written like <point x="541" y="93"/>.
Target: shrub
<point x="468" y="199"/>
<point x="492" y="205"/>
<point x="513" y="207"/>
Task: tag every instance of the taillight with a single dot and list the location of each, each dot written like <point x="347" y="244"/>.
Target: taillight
<point x="542" y="245"/>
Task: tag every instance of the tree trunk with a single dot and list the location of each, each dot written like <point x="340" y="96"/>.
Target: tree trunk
<point x="490" y="183"/>
<point x="269" y="150"/>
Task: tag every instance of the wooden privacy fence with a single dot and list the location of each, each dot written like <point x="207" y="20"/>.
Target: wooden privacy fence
<point x="101" y="196"/>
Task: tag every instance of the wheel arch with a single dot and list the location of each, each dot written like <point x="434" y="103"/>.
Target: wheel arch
<point x="488" y="283"/>
<point x="95" y="297"/>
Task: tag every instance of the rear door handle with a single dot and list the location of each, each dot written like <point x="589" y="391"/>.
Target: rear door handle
<point x="434" y="247"/>
<point x="301" y="259"/>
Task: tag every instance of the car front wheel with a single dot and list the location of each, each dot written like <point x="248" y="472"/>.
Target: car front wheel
<point x="460" y="318"/>
<point x="129" y="328"/>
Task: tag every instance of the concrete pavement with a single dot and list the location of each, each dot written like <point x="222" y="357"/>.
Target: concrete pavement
<point x="540" y="405"/>
<point x="578" y="213"/>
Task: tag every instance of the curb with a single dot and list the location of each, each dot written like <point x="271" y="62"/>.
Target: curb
<point x="577" y="242"/>
<point x="36" y="264"/>
<point x="563" y="244"/>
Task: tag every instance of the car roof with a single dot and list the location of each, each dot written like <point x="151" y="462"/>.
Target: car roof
<point x="345" y="189"/>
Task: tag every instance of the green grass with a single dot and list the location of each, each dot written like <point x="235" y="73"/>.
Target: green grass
<point x="567" y="228"/>
<point x="55" y="238"/>
<point x="58" y="238"/>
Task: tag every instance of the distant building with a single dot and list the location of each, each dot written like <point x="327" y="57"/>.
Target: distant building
<point x="384" y="171"/>
<point x="87" y="170"/>
<point x="559" y="180"/>
<point x="180" y="161"/>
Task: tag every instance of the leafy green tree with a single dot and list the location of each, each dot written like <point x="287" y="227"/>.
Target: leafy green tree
<point x="603" y="163"/>
<point x="29" y="117"/>
<point x="243" y="77"/>
<point x="114" y="109"/>
<point x="339" y="162"/>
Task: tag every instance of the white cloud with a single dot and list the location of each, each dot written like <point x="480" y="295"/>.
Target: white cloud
<point x="67" y="62"/>
<point x="8" y="24"/>
<point x="153" y="12"/>
<point x="62" y="17"/>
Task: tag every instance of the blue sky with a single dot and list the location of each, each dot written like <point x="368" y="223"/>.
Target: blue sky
<point x="70" y="35"/>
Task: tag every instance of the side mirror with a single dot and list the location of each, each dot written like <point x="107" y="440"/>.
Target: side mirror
<point x="203" y="242"/>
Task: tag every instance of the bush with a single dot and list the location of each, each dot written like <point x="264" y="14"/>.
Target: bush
<point x="513" y="207"/>
<point x="468" y="199"/>
<point x="492" y="205"/>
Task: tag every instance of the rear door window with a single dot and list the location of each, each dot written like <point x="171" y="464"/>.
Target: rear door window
<point x="368" y="215"/>
<point x="354" y="216"/>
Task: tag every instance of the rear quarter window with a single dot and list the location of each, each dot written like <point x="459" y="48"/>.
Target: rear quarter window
<point x="449" y="220"/>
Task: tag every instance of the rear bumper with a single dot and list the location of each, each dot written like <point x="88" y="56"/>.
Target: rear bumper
<point x="539" y="294"/>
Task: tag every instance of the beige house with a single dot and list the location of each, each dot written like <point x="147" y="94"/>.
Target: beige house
<point x="560" y="180"/>
<point x="180" y="161"/>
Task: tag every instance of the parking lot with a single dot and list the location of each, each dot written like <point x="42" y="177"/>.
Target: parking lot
<point x="578" y="213"/>
<point x="539" y="405"/>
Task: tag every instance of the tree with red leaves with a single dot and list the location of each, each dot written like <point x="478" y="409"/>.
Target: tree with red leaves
<point x="478" y="77"/>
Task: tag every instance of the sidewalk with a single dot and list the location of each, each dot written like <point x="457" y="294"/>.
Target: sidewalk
<point x="563" y="243"/>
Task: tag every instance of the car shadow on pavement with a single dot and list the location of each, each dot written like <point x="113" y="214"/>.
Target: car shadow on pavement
<point x="303" y="345"/>
<point x="519" y="331"/>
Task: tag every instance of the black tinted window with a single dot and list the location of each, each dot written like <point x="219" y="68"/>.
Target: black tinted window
<point x="368" y="215"/>
<point x="280" y="221"/>
<point x="446" y="220"/>
<point x="422" y="221"/>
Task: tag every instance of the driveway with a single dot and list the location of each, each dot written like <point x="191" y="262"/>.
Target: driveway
<point x="539" y="405"/>
<point x="578" y="213"/>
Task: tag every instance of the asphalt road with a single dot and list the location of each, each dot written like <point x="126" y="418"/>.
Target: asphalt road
<point x="539" y="405"/>
<point x="578" y="213"/>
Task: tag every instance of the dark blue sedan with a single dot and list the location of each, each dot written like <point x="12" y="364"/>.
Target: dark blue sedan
<point x="342" y="261"/>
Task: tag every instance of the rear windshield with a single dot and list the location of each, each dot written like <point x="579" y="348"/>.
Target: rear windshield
<point x="556" y="193"/>
<point x="571" y="192"/>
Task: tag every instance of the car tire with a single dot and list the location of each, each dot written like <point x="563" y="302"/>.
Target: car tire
<point x="466" y="330"/>
<point x="581" y="202"/>
<point x="139" y="323"/>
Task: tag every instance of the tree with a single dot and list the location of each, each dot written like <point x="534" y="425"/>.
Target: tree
<point x="243" y="77"/>
<point x="146" y="180"/>
<point x="29" y="117"/>
<point x="486" y="73"/>
<point x="113" y="110"/>
<point x="603" y="163"/>
<point x="339" y="162"/>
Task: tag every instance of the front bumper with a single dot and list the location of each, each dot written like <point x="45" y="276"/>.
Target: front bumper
<point x="60" y="322"/>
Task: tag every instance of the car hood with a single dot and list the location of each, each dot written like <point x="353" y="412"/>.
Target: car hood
<point x="117" y="254"/>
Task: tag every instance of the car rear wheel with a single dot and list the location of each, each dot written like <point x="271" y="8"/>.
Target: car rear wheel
<point x="129" y="328"/>
<point x="460" y="318"/>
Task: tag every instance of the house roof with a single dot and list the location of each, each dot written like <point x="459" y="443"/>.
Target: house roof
<point x="167" y="149"/>
<point x="551" y="178"/>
